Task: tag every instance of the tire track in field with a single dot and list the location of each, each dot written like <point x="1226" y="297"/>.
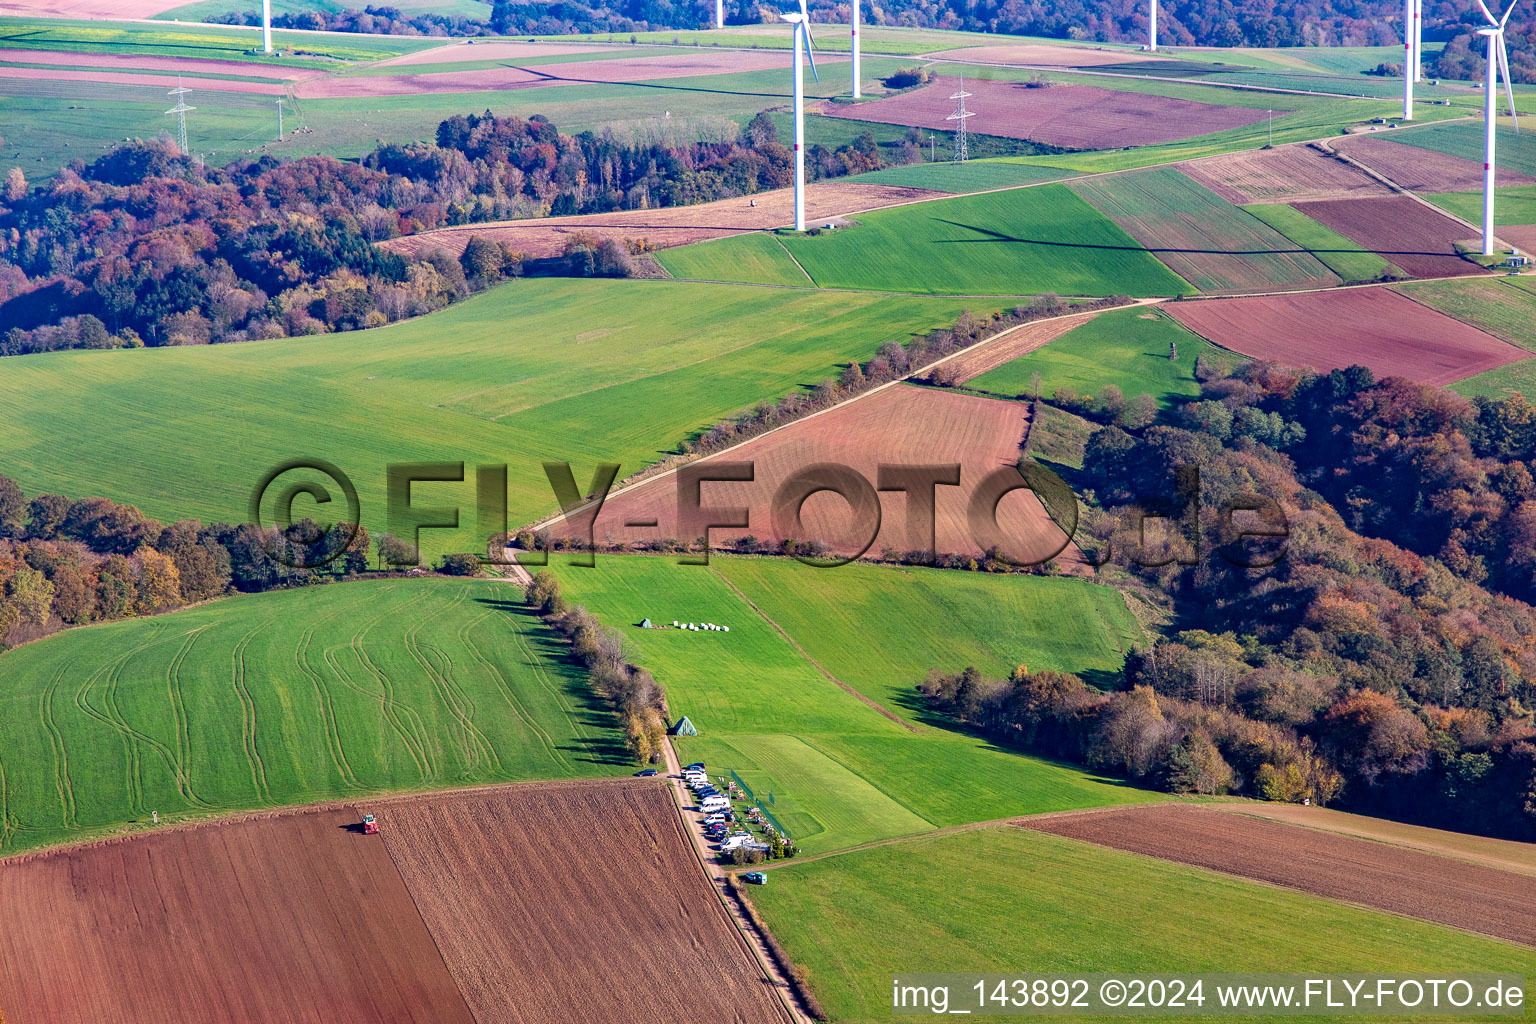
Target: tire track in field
<point x="507" y="692"/>
<point x="179" y="712"/>
<point x="477" y="747"/>
<point x="537" y="665"/>
<point x="5" y="808"/>
<point x="110" y="715"/>
<point x="327" y="709"/>
<point x="248" y="715"/>
<point x="382" y="695"/>
<point x="61" y="777"/>
<point x="414" y="736"/>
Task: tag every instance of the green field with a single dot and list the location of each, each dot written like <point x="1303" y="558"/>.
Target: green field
<point x="201" y="9"/>
<point x="1126" y="347"/>
<point x="578" y="370"/>
<point x="1493" y="304"/>
<point x="1343" y="256"/>
<point x="1200" y="236"/>
<point x="1057" y="436"/>
<point x="1018" y="242"/>
<point x="1514" y="151"/>
<point x="971" y="176"/>
<point x="756" y="258"/>
<point x="1513" y="204"/>
<point x="1011" y="901"/>
<point x="842" y="772"/>
<point x="285" y="698"/>
<point x="223" y="42"/>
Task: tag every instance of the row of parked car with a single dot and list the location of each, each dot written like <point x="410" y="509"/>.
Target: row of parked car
<point x="718" y="818"/>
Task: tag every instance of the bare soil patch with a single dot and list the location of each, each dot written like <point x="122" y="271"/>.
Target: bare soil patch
<point x="111" y="10"/>
<point x="149" y="62"/>
<point x="504" y="49"/>
<point x="1521" y="236"/>
<point x="128" y="78"/>
<point x="483" y="80"/>
<point x="1402" y="230"/>
<point x="1282" y="175"/>
<point x="1074" y="116"/>
<point x="901" y="424"/>
<point x="570" y="903"/>
<point x="1039" y="55"/>
<point x="289" y="919"/>
<point x="1422" y="170"/>
<point x="972" y="364"/>
<point x="1374" y="327"/>
<point x="674" y="65"/>
<point x="676" y="225"/>
<point x="1397" y="880"/>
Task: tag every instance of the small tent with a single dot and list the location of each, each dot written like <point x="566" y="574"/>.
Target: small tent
<point x="646" y="624"/>
<point x="684" y="728"/>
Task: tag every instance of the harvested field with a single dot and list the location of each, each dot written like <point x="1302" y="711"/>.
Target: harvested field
<point x="970" y="365"/>
<point x="1501" y="854"/>
<point x="1282" y="175"/>
<point x="507" y="49"/>
<point x="1521" y="236"/>
<point x="1075" y="116"/>
<point x="633" y="69"/>
<point x="149" y="62"/>
<point x="115" y="10"/>
<point x="1422" y="170"/>
<point x="574" y="902"/>
<point x="288" y="919"/>
<point x="1039" y="55"/>
<point x="1407" y="882"/>
<point x="131" y="78"/>
<point x="676" y="225"/>
<point x="901" y="424"/>
<point x="1201" y="237"/>
<point x="1401" y="230"/>
<point x="526" y="904"/>
<point x="1374" y="327"/>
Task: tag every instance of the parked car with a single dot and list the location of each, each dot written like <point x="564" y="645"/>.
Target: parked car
<point x="715" y="819"/>
<point x="696" y="766"/>
<point x="711" y="804"/>
<point x="646" y="773"/>
<point x="755" y="878"/>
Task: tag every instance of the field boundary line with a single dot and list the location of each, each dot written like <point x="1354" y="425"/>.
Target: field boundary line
<point x="780" y="243"/>
<point x="887" y="712"/>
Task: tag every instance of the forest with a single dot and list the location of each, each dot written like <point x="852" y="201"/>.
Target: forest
<point x="147" y="246"/>
<point x="1378" y="655"/>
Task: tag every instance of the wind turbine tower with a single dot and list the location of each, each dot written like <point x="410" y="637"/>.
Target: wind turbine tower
<point x="962" y="151"/>
<point x="855" y="37"/>
<point x="719" y="13"/>
<point x="266" y="26"/>
<point x="1151" y="25"/>
<point x="1498" y="66"/>
<point x="1410" y="62"/>
<point x="801" y="20"/>
<point x="180" y="110"/>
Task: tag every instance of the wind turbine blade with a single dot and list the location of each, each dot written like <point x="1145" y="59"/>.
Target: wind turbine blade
<point x="1509" y="89"/>
<point x="1487" y="13"/>
<point x="805" y="26"/>
<point x="1505" y="20"/>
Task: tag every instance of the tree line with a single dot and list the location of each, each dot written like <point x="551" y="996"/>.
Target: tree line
<point x="148" y="246"/>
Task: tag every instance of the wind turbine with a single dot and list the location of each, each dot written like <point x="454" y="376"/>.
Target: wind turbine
<point x="1410" y="55"/>
<point x="719" y="13"/>
<point x="1498" y="64"/>
<point x="266" y="26"/>
<point x="801" y="20"/>
<point x="1151" y="25"/>
<point x="855" y="23"/>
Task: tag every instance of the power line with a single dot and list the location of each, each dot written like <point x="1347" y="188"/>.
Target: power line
<point x="180" y="110"/>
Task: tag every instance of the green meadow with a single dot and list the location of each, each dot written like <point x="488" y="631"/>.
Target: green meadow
<point x="1017" y="242"/>
<point x="810" y="696"/>
<point x="1496" y="304"/>
<point x="285" y="698"/>
<point x="1344" y="256"/>
<point x="756" y="258"/>
<point x="1011" y="901"/>
<point x="1125" y="347"/>
<point x="222" y="42"/>
<point x="1515" y="151"/>
<point x="1512" y="204"/>
<point x="971" y="176"/>
<point x="579" y="370"/>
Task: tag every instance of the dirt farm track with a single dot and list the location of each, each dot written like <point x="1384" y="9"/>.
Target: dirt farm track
<point x="1340" y="867"/>
<point x="523" y="904"/>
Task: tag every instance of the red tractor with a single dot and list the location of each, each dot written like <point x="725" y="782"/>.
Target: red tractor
<point x="370" y="825"/>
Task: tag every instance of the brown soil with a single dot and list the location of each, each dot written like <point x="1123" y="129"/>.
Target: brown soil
<point x="1422" y="170"/>
<point x="676" y="225"/>
<point x="537" y="903"/>
<point x="1521" y="236"/>
<point x="1339" y="867"/>
<point x="1075" y="116"/>
<point x="508" y="50"/>
<point x="1039" y="55"/>
<point x="559" y="904"/>
<point x="901" y="424"/>
<point x="128" y="78"/>
<point x="109" y="61"/>
<point x="115" y="10"/>
<point x="970" y="365"/>
<point x="1401" y="229"/>
<point x="1374" y="327"/>
<point x="284" y="920"/>
<point x="1281" y="175"/>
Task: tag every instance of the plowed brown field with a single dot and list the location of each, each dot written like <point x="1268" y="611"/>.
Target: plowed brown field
<point x="150" y="62"/>
<point x="93" y="9"/>
<point x="1339" y="867"/>
<point x="1076" y="116"/>
<point x="1401" y="229"/>
<point x="1282" y="175"/>
<point x="552" y="902"/>
<point x="284" y="920"/>
<point x="1041" y="55"/>
<point x="508" y="50"/>
<point x="1374" y="327"/>
<point x="901" y="424"/>
<point x="676" y="225"/>
<point x="131" y="78"/>
<point x="1422" y="170"/>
